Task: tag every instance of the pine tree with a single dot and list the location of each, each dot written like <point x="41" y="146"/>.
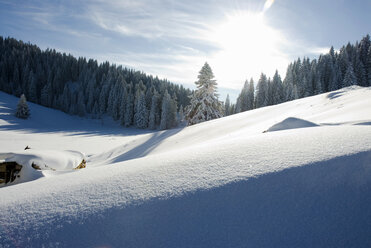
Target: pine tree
<point x="129" y="111"/>
<point x="165" y="111"/>
<point x="244" y="97"/>
<point x="123" y="105"/>
<point x="277" y="89"/>
<point x="262" y="92"/>
<point x="295" y="93"/>
<point x="173" y="112"/>
<point x="343" y="60"/>
<point x="154" y="111"/>
<point x="364" y="47"/>
<point x="270" y="92"/>
<point x="103" y="99"/>
<point x="32" y="91"/>
<point x="204" y="103"/>
<point x="349" y="78"/>
<point x="368" y="66"/>
<point x="180" y="114"/>
<point x="141" y="115"/>
<point x="237" y="108"/>
<point x="307" y="91"/>
<point x="46" y="94"/>
<point x="335" y="79"/>
<point x="81" y="108"/>
<point x="23" y="111"/>
<point x="227" y="106"/>
<point x="250" y="95"/>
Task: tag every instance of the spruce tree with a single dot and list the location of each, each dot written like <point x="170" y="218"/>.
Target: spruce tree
<point x="23" y="111"/>
<point x="204" y="103"/>
<point x="244" y="97"/>
<point x="368" y="66"/>
<point x="349" y="78"/>
<point x="141" y="115"/>
<point x="227" y="106"/>
<point x="129" y="108"/>
<point x="180" y="114"/>
<point x="359" y="71"/>
<point x="32" y="91"/>
<point x="262" y="92"/>
<point x="153" y="111"/>
<point x="237" y="108"/>
<point x="250" y="95"/>
<point x="165" y="111"/>
<point x="173" y="122"/>
<point x="277" y="89"/>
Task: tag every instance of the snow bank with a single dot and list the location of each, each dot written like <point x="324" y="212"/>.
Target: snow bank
<point x="36" y="162"/>
<point x="291" y="123"/>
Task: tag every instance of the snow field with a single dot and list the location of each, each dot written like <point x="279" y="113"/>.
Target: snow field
<point x="222" y="183"/>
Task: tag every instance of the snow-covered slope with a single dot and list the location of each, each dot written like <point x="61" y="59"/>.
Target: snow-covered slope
<point x="223" y="183"/>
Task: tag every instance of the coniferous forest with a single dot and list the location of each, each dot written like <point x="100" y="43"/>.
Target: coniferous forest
<point x="351" y="65"/>
<point x="85" y="88"/>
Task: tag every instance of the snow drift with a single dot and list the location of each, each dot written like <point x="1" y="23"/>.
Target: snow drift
<point x="37" y="163"/>
<point x="221" y="183"/>
<point x="291" y="123"/>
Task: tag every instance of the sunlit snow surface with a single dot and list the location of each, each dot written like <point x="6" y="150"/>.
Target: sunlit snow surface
<point x="223" y="183"/>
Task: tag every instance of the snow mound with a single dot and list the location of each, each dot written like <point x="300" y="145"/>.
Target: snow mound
<point x="291" y="123"/>
<point x="36" y="163"/>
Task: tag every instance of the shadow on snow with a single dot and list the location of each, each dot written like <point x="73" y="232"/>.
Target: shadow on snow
<point x="325" y="204"/>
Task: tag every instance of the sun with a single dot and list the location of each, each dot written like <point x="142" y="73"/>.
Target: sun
<point x="247" y="44"/>
<point x="242" y="31"/>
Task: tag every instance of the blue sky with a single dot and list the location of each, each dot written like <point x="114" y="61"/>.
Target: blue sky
<point x="173" y="39"/>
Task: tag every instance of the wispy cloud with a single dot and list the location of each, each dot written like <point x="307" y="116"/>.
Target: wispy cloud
<point x="168" y="38"/>
<point x="148" y="19"/>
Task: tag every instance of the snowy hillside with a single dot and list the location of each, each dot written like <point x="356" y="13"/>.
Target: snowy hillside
<point x="296" y="174"/>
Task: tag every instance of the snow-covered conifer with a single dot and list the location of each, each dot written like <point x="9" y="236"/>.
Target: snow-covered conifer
<point x="359" y="71"/>
<point x="349" y="78"/>
<point x="129" y="111"/>
<point x="204" y="103"/>
<point x="262" y="92"/>
<point x="250" y="95"/>
<point x="244" y="97"/>
<point x="277" y="89"/>
<point x="81" y="108"/>
<point x="237" y="108"/>
<point x="23" y="111"/>
<point x="46" y="94"/>
<point x="181" y="114"/>
<point x="368" y="66"/>
<point x="165" y="109"/>
<point x="227" y="106"/>
<point x="153" y="111"/>
<point x="32" y="91"/>
<point x="141" y="114"/>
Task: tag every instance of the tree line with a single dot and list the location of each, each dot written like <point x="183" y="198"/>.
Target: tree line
<point x="83" y="87"/>
<point x="351" y="65"/>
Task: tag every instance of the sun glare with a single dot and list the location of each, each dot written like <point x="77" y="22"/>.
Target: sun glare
<point x="247" y="45"/>
<point x="243" y="32"/>
<point x="268" y="4"/>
